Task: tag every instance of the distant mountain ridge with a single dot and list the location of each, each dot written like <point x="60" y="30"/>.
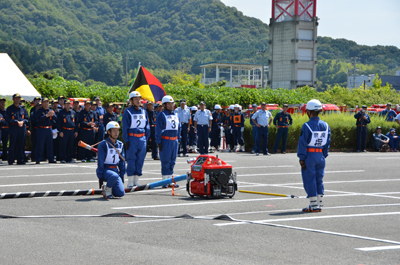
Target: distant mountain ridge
<point x="93" y="36"/>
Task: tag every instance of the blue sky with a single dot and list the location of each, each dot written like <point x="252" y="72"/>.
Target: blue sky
<point x="367" y="22"/>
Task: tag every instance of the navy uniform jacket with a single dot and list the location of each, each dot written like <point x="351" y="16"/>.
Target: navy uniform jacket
<point x="360" y="120"/>
<point x="216" y="119"/>
<point x="282" y="119"/>
<point x="251" y="119"/>
<point x="33" y="118"/>
<point x="109" y="117"/>
<point x="15" y="114"/>
<point x="226" y="120"/>
<point x="67" y="119"/>
<point x="4" y="123"/>
<point x="237" y="120"/>
<point x="42" y="120"/>
<point x="97" y="119"/>
<point x="100" y="113"/>
<point x="152" y="117"/>
<point x="85" y="117"/>
<point x="390" y="115"/>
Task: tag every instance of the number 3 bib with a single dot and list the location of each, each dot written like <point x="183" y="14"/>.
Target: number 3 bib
<point x="172" y="122"/>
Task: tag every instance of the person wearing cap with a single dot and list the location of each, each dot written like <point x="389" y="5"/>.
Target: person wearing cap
<point x="111" y="163"/>
<point x="37" y="106"/>
<point x="184" y="117"/>
<point x="109" y="116"/>
<point x="237" y="128"/>
<point x="86" y="119"/>
<point x="77" y="108"/>
<point x="2" y="123"/>
<point x="151" y="114"/>
<point x="67" y="126"/>
<point x="100" y="112"/>
<point x="379" y="141"/>
<point x="45" y="119"/>
<point x="56" y="147"/>
<point x="17" y="118"/>
<point x="312" y="150"/>
<point x="263" y="119"/>
<point x="4" y="130"/>
<point x="393" y="140"/>
<point x="118" y="110"/>
<point x="192" y="133"/>
<point x="202" y="124"/>
<point x="283" y="120"/>
<point x="96" y="120"/>
<point x="136" y="132"/>
<point x="61" y="102"/>
<point x="388" y="113"/>
<point x="226" y="120"/>
<point x="254" y="128"/>
<point x="363" y="120"/>
<point x="168" y="135"/>
<point x="215" y="134"/>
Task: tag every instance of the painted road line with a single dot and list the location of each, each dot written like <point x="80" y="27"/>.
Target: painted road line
<point x="197" y="203"/>
<point x="58" y="183"/>
<point x="28" y="167"/>
<point x="314" y="218"/>
<point x="378" y="248"/>
<point x="299" y="173"/>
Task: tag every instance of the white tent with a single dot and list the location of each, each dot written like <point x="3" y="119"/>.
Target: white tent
<point x="12" y="80"/>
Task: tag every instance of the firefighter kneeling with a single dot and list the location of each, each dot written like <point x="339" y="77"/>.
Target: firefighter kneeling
<point x="111" y="163"/>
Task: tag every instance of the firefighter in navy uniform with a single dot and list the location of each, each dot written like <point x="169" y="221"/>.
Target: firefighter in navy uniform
<point x="101" y="112"/>
<point x="215" y="134"/>
<point x="56" y="147"/>
<point x="77" y="108"/>
<point x="168" y="135"/>
<point x="192" y="133"/>
<point x="45" y="119"/>
<point x="2" y="123"/>
<point x="111" y="164"/>
<point x="97" y="122"/>
<point x="362" y="122"/>
<point x="312" y="151"/>
<point x="282" y="121"/>
<point x="226" y="120"/>
<point x="17" y="119"/>
<point x="37" y="104"/>
<point x="4" y="129"/>
<point x="28" y="132"/>
<point x="86" y="131"/>
<point x="136" y="132"/>
<point x="109" y="116"/>
<point x="67" y="126"/>
<point x="151" y="115"/>
<point x="237" y="128"/>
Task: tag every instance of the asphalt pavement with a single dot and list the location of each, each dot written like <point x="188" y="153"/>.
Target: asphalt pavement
<point x="359" y="223"/>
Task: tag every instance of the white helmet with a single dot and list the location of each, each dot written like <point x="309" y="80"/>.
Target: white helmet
<point x="193" y="108"/>
<point x="134" y="94"/>
<point x="232" y="107"/>
<point x="166" y="99"/>
<point x="217" y="107"/>
<point x="112" y="124"/>
<point x="236" y="106"/>
<point x="314" y="104"/>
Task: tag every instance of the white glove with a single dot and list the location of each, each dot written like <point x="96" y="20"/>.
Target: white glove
<point x="231" y="131"/>
<point x="242" y="129"/>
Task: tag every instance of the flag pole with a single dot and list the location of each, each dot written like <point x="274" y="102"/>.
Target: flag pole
<point x="127" y="95"/>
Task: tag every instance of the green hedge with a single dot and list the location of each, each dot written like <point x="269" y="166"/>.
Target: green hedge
<point x="343" y="131"/>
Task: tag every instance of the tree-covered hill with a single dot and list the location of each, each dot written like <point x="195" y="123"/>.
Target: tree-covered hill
<point x="93" y="36"/>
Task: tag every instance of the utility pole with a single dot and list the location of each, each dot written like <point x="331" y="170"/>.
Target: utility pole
<point x="62" y="66"/>
<point x="126" y="68"/>
<point x="354" y="70"/>
<point x="262" y="52"/>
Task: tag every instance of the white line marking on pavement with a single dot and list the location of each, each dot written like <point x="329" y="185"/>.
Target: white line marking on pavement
<point x="196" y="203"/>
<point x="378" y="248"/>
<point x="315" y="217"/>
<point x="45" y="175"/>
<point x="388" y="158"/>
<point x="60" y="183"/>
<point x="28" y="167"/>
<point x="299" y="173"/>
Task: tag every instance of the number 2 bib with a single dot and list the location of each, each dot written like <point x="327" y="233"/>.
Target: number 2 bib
<point x="138" y="120"/>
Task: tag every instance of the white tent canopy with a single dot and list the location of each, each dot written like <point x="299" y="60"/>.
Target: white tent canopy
<point x="12" y="80"/>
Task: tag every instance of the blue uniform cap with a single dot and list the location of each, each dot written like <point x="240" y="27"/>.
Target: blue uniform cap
<point x="2" y="99"/>
<point x="254" y="105"/>
<point x="393" y="130"/>
<point x="61" y="97"/>
<point x="97" y="98"/>
<point x="202" y="102"/>
<point x="67" y="101"/>
<point x="16" y="95"/>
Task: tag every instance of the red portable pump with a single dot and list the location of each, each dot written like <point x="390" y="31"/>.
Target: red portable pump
<point x="210" y="177"/>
